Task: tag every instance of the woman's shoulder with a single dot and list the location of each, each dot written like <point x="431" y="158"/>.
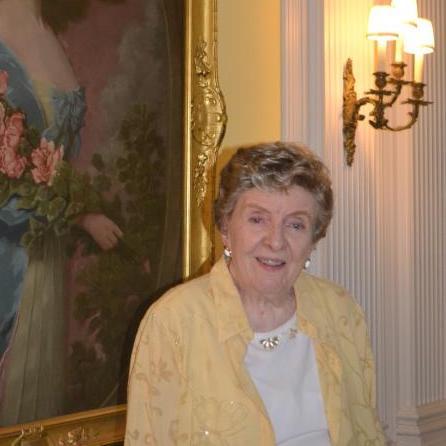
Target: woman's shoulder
<point x="184" y="300"/>
<point x="330" y="306"/>
<point x="322" y="283"/>
<point x="331" y="293"/>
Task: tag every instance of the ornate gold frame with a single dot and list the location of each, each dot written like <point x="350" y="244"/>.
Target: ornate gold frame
<point x="204" y="126"/>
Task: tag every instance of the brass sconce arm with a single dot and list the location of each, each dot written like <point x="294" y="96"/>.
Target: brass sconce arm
<point x="376" y="97"/>
<point x="416" y="101"/>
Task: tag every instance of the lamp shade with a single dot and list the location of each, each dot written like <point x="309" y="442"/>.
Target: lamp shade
<point x="421" y="39"/>
<point x="383" y="23"/>
<point x="406" y="11"/>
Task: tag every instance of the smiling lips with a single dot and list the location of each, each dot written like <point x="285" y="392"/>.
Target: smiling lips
<point x="270" y="262"/>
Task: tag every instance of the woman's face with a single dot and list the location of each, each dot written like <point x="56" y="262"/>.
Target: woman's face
<point x="270" y="236"/>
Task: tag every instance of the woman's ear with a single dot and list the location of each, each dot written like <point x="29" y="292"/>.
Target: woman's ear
<point x="312" y="249"/>
<point x="224" y="232"/>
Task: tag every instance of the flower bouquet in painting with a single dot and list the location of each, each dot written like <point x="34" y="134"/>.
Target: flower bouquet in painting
<point x="34" y="175"/>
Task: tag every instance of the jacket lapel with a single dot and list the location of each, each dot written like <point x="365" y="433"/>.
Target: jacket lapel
<point x="234" y="329"/>
<point x="314" y="321"/>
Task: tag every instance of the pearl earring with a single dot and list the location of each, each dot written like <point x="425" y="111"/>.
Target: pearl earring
<point x="307" y="263"/>
<point x="227" y="253"/>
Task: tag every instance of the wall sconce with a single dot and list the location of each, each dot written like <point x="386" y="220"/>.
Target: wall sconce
<point x="400" y="22"/>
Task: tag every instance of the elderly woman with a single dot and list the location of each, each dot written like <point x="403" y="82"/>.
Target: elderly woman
<point x="258" y="352"/>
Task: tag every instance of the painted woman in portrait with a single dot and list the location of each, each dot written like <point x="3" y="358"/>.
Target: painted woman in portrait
<point x="69" y="305"/>
<point x="40" y="82"/>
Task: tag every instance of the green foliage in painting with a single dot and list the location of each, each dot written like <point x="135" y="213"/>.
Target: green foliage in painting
<point x="117" y="282"/>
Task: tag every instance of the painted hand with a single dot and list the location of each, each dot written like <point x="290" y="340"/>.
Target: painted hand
<point x="104" y="231"/>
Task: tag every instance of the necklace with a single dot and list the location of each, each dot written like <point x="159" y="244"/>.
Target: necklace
<point x="271" y="342"/>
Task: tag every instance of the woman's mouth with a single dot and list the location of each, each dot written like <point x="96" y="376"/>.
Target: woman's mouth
<point x="270" y="262"/>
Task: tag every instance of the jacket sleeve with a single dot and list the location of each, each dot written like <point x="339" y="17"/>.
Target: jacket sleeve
<point x="154" y="389"/>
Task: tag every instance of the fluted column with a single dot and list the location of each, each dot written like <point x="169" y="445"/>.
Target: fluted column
<point x="430" y="221"/>
<point x="424" y="422"/>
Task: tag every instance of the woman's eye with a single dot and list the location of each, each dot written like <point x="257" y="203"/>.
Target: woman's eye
<point x="255" y="219"/>
<point x="298" y="225"/>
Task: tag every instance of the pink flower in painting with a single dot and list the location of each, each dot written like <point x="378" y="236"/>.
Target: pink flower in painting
<point x="13" y="130"/>
<point x="3" y="82"/>
<point x="45" y="159"/>
<point x="11" y="164"/>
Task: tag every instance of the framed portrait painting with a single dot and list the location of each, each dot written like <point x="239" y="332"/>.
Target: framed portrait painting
<point x="110" y="122"/>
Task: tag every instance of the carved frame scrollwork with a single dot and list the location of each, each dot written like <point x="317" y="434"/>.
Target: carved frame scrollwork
<point x="204" y="126"/>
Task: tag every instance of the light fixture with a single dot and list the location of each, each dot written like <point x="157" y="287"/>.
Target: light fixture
<point x="406" y="10"/>
<point x="413" y="35"/>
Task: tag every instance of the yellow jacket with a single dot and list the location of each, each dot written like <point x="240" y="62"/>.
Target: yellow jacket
<point x="188" y="384"/>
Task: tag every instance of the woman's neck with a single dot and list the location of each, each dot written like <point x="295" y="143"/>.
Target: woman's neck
<point x="265" y="313"/>
<point x="265" y="310"/>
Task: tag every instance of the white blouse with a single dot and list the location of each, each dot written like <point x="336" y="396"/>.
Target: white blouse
<point x="283" y="367"/>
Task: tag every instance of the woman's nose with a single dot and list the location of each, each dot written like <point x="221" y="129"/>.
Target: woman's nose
<point x="275" y="237"/>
